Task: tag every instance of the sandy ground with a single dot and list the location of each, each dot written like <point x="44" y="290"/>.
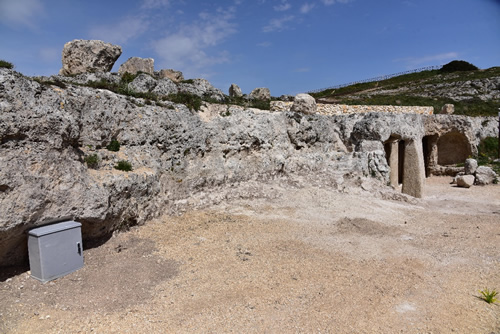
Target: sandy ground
<point x="310" y="261"/>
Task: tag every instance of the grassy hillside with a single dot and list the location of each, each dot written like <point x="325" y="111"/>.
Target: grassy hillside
<point x="428" y="88"/>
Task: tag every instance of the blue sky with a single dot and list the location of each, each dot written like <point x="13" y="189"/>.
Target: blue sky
<point x="287" y="46"/>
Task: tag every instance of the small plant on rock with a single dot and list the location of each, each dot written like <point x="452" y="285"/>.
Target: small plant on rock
<point x="92" y="161"/>
<point x="114" y="146"/>
<point x="6" y="64"/>
<point x="124" y="165"/>
<point x="488" y="296"/>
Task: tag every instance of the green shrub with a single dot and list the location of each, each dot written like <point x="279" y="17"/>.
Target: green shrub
<point x="261" y="104"/>
<point x="6" y="64"/>
<point x="189" y="100"/>
<point x="92" y="161"/>
<point x="113" y="146"/>
<point x="488" y="148"/>
<point x="458" y="65"/>
<point x="124" y="165"/>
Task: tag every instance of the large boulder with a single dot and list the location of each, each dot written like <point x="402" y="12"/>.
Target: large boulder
<point x="260" y="93"/>
<point x="485" y="175"/>
<point x="88" y="56"/>
<point x="470" y="166"/>
<point x="465" y="181"/>
<point x="304" y="103"/>
<point x="135" y="65"/>
<point x="448" y="109"/>
<point x="235" y="91"/>
<point x="175" y="76"/>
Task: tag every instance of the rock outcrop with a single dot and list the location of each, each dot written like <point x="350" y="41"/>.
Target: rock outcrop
<point x="87" y="56"/>
<point x="304" y="103"/>
<point x="181" y="159"/>
<point x="261" y="93"/>
<point x="235" y="91"/>
<point x="136" y="65"/>
<point x="175" y="76"/>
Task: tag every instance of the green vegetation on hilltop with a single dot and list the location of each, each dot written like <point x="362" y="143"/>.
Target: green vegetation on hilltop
<point x="6" y="64"/>
<point x="412" y="91"/>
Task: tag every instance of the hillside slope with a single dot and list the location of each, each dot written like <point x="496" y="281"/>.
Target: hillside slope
<point x="474" y="93"/>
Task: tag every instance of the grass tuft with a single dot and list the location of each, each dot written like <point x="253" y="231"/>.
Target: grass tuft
<point x="488" y="296"/>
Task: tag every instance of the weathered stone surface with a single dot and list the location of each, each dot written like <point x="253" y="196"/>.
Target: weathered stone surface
<point x="448" y="109"/>
<point x="135" y="65"/>
<point x="485" y="175"/>
<point x="143" y="83"/>
<point x="470" y="166"/>
<point x="165" y="87"/>
<point x="175" y="76"/>
<point x="304" y="103"/>
<point x="235" y="91"/>
<point x="414" y="175"/>
<point x="202" y="88"/>
<point x="180" y="159"/>
<point x="261" y="93"/>
<point x="87" y="56"/>
<point x="465" y="181"/>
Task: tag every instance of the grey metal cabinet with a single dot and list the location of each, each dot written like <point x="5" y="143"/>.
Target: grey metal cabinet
<point x="55" y="250"/>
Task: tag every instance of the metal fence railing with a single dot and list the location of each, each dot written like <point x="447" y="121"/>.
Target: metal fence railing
<point x="380" y="78"/>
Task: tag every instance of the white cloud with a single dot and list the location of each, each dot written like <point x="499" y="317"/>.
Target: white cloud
<point x="265" y="44"/>
<point x="122" y="31"/>
<point x="189" y="46"/>
<point x="285" y="5"/>
<point x="331" y="2"/>
<point x="441" y="58"/>
<point x="20" y="12"/>
<point x="307" y="7"/>
<point x="278" y="24"/>
<point x="154" y="4"/>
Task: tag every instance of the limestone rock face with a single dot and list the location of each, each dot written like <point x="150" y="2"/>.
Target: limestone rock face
<point x="165" y="87"/>
<point x="470" y="166"/>
<point x="485" y="175"/>
<point x="181" y="159"/>
<point x="135" y="65"/>
<point x="305" y="104"/>
<point x="465" y="181"/>
<point x="175" y="76"/>
<point x="202" y="88"/>
<point x="261" y="93"/>
<point x="235" y="91"/>
<point x="88" y="56"/>
<point x="143" y="83"/>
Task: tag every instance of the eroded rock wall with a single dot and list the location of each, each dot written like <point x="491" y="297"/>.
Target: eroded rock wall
<point x="181" y="159"/>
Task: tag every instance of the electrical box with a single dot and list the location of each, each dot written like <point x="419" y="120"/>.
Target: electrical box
<point x="55" y="250"/>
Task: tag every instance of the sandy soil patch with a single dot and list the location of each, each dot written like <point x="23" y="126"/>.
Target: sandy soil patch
<point x="310" y="261"/>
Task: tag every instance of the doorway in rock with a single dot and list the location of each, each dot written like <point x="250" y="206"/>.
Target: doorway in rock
<point x="394" y="152"/>
<point x="453" y="148"/>
<point x="429" y="146"/>
<point x="401" y="159"/>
